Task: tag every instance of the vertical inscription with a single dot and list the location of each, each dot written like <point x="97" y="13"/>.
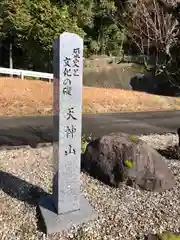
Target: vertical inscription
<point x="70" y="115"/>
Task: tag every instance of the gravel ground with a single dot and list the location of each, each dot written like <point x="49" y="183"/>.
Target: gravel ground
<point x="124" y="213"/>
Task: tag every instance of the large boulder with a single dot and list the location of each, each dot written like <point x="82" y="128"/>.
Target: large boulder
<point x="119" y="157"/>
<point x="144" y="82"/>
<point x="149" y="82"/>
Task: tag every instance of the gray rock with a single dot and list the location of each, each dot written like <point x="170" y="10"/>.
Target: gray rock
<point x="144" y="82"/>
<point x="119" y="157"/>
<point x="151" y="237"/>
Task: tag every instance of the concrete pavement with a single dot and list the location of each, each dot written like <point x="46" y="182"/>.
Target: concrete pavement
<point x="132" y="123"/>
<point x="32" y="130"/>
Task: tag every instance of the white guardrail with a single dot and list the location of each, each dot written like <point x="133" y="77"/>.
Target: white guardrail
<point x="23" y="73"/>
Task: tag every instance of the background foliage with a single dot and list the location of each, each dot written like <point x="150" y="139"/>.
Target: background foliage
<point x="109" y="27"/>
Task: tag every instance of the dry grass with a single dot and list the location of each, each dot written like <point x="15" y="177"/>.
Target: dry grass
<point x="32" y="97"/>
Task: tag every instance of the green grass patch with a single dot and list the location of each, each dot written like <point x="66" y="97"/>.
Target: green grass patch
<point x="84" y="142"/>
<point x="133" y="139"/>
<point x="168" y="236"/>
<point x="128" y="163"/>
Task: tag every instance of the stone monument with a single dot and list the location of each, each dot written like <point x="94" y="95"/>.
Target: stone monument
<point x="66" y="207"/>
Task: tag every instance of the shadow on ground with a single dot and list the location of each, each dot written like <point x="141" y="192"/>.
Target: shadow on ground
<point x="172" y="152"/>
<point x="23" y="191"/>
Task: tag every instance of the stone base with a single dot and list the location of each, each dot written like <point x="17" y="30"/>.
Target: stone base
<point x="56" y="223"/>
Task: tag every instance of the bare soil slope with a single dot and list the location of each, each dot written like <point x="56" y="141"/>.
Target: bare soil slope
<point x="32" y="97"/>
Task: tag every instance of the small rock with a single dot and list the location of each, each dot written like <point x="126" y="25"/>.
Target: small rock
<point x="178" y="131"/>
<point x="151" y="237"/>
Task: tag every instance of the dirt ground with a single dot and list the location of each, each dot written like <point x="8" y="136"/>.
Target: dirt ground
<point x="31" y="97"/>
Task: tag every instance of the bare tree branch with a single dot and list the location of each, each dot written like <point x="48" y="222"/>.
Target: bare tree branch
<point x="152" y="25"/>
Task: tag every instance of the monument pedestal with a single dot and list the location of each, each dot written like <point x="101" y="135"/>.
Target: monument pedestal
<point x="56" y="223"/>
<point x="67" y="111"/>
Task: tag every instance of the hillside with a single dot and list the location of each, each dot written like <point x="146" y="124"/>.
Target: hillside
<point x="31" y="97"/>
